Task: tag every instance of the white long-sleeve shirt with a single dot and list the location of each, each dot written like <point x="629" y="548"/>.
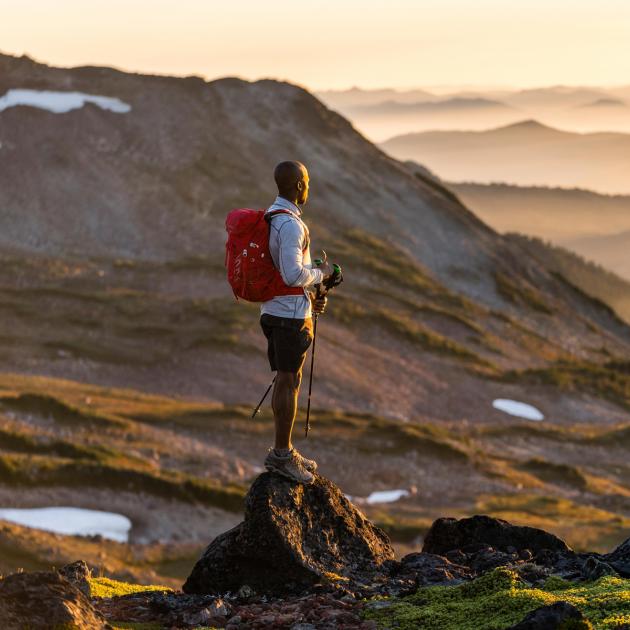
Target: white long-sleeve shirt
<point x="290" y="252"/>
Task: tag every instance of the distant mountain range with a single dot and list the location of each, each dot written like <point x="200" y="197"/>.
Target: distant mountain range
<point x="526" y="153"/>
<point x="357" y="97"/>
<point x="605" y="102"/>
<point x="572" y="108"/>
<point x="451" y="104"/>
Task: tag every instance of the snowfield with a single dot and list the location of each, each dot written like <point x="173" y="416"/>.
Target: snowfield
<point x="72" y="521"/>
<point x="386" y="496"/>
<point x="519" y="409"/>
<point x="60" y="102"/>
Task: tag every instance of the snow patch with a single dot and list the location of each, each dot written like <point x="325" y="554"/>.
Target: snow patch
<point x="72" y="521"/>
<point x="386" y="496"/>
<point x="60" y="102"/>
<point x="519" y="409"/>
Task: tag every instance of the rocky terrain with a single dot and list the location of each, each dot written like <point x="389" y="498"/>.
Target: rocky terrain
<point x="305" y="557"/>
<point x="128" y="371"/>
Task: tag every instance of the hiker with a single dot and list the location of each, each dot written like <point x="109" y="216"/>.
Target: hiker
<point x="286" y="319"/>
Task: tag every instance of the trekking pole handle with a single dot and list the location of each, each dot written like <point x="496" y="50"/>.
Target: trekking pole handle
<point x="332" y="281"/>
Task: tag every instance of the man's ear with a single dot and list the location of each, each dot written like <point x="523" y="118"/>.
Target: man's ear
<point x="299" y="186"/>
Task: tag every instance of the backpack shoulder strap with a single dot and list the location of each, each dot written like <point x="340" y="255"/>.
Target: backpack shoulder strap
<point x="270" y="215"/>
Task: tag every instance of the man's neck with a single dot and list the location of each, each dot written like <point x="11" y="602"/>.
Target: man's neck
<point x="293" y="202"/>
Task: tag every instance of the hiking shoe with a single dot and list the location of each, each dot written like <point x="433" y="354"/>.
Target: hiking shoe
<point x="290" y="466"/>
<point x="309" y="464"/>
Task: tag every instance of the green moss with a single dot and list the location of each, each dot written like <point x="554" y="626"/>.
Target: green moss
<point x="499" y="599"/>
<point x="106" y="587"/>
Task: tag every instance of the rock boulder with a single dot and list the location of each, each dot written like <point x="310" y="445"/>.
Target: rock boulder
<point x="448" y="534"/>
<point x="45" y="599"/>
<point x="293" y="536"/>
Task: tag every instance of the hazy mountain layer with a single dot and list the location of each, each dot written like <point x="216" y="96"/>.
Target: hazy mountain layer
<point x="382" y="114"/>
<point x="527" y="153"/>
<point x="595" y="226"/>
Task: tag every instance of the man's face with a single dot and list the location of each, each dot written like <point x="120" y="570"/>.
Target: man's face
<point x="303" y="193"/>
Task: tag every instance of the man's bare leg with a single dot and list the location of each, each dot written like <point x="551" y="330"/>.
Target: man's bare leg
<point x="284" y="404"/>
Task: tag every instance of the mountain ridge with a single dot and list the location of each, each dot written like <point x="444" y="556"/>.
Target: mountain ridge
<point x="135" y="203"/>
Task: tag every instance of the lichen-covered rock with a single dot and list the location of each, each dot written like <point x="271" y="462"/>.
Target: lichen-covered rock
<point x="477" y="532"/>
<point x="293" y="536"/>
<point x="79" y="574"/>
<point x="429" y="569"/>
<point x="45" y="599"/>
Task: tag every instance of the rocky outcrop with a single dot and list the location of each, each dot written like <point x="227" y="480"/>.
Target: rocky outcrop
<point x="480" y="543"/>
<point x="78" y="573"/>
<point x="619" y="559"/>
<point x="293" y="536"/>
<point x="45" y="599"/>
<point x="466" y="534"/>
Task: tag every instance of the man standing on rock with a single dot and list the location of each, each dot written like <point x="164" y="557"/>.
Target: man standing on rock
<point x="286" y="320"/>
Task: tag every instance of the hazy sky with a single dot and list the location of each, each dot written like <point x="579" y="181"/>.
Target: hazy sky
<point x="334" y="43"/>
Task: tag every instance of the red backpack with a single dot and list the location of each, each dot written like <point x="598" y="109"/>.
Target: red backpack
<point x="250" y="269"/>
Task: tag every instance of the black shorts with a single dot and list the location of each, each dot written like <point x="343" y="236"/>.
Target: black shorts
<point x="287" y="341"/>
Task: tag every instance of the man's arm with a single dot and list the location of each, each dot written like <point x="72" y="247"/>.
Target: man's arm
<point x="290" y="257"/>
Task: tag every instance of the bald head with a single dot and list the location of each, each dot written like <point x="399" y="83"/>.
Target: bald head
<point x="292" y="181"/>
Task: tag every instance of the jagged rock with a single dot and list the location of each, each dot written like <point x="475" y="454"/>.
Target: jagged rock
<point x="45" y="600"/>
<point x="479" y="532"/>
<point x="554" y="617"/>
<point x="593" y="568"/>
<point x="78" y="573"/>
<point x="619" y="559"/>
<point x="293" y="536"/>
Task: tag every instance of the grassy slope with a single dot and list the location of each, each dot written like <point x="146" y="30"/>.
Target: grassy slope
<point x="562" y="482"/>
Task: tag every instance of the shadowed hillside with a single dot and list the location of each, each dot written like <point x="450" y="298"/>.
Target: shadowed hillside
<point x="593" y="225"/>
<point x="590" y="277"/>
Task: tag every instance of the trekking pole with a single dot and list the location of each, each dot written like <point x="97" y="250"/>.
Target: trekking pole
<point x="262" y="400"/>
<point x="334" y="280"/>
<point x="307" y="425"/>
